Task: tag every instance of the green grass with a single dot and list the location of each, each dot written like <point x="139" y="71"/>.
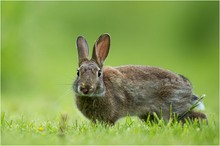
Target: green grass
<point x="128" y="131"/>
<point x="70" y="127"/>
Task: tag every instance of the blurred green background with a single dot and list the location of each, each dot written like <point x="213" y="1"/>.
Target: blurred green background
<point x="39" y="57"/>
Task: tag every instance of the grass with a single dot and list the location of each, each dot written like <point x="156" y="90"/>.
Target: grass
<point x="55" y="127"/>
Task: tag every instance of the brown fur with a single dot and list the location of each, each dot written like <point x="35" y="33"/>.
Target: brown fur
<point x="128" y="90"/>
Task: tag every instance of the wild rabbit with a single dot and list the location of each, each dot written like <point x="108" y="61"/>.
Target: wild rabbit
<point x="109" y="93"/>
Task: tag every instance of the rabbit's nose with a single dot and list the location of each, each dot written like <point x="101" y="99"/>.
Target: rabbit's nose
<point x="85" y="90"/>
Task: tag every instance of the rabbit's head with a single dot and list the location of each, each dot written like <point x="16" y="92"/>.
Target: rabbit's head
<point x="89" y="81"/>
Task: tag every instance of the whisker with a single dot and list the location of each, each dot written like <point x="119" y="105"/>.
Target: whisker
<point x="64" y="84"/>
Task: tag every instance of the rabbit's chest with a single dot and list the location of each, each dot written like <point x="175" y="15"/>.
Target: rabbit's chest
<point x="93" y="109"/>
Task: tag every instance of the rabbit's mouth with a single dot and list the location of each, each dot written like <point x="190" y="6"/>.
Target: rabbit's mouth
<point x="90" y="91"/>
<point x="86" y="91"/>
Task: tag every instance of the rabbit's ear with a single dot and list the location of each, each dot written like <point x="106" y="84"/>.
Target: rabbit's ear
<point x="83" y="49"/>
<point x="101" y="49"/>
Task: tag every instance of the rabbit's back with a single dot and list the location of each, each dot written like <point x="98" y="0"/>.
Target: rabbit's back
<point x="141" y="89"/>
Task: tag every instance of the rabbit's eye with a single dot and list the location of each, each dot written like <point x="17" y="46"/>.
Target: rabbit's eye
<point x="77" y="72"/>
<point x="99" y="73"/>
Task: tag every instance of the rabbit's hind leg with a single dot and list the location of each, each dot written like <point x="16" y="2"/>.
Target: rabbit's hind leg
<point x="194" y="116"/>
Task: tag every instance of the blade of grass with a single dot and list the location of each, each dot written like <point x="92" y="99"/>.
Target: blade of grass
<point x="192" y="107"/>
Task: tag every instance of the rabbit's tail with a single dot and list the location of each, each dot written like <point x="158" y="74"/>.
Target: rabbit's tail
<point x="200" y="104"/>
